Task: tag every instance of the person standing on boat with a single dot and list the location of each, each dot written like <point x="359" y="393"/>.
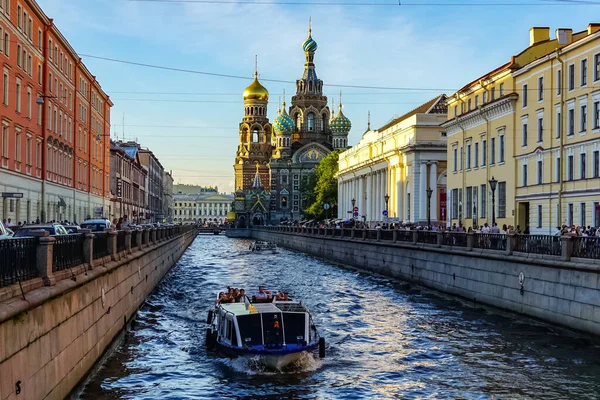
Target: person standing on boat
<point x="261" y="294"/>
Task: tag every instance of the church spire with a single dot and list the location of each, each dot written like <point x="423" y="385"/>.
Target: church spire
<point x="257" y="182"/>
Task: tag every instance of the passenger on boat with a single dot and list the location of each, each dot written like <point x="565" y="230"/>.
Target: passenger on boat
<point x="242" y="296"/>
<point x="263" y="295"/>
<point x="286" y="297"/>
<point x="279" y="296"/>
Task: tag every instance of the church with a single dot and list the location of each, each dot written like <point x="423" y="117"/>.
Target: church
<point x="274" y="159"/>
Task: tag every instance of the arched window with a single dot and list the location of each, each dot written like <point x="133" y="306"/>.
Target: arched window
<point x="255" y="136"/>
<point x="310" y="86"/>
<point x="311" y="121"/>
<point x="325" y="121"/>
<point x="298" y="121"/>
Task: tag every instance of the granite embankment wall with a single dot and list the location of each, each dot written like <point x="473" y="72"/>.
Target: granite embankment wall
<point x="50" y="341"/>
<point x="561" y="292"/>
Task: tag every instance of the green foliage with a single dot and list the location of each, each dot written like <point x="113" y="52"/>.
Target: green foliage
<point x="321" y="188"/>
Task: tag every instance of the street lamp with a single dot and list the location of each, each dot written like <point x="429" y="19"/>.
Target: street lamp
<point x="429" y="193"/>
<point x="493" y="182"/>
<point x="387" y="199"/>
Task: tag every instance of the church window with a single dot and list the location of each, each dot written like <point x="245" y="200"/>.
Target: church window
<point x="284" y="202"/>
<point x="310" y="86"/>
<point x="255" y="136"/>
<point x="298" y="121"/>
<point x="311" y="122"/>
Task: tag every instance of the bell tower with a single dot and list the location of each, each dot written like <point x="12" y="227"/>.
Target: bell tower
<point x="254" y="150"/>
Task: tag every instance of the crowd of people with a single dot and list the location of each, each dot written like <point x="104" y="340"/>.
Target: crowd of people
<point x="237" y="295"/>
<point x="8" y="223"/>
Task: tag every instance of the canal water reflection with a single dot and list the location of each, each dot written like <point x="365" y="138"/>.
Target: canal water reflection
<point x="385" y="339"/>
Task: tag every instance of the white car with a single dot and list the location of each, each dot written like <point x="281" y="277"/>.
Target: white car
<point x="4" y="232"/>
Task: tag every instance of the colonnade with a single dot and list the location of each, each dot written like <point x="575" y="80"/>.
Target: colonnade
<point x="406" y="186"/>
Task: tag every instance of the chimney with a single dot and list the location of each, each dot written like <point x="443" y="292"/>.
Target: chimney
<point x="593" y="28"/>
<point x="564" y="36"/>
<point x="538" y="34"/>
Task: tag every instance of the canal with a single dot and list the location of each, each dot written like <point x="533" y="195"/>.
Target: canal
<point x="385" y="339"/>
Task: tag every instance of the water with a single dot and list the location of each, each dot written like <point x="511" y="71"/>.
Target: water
<point x="385" y="339"/>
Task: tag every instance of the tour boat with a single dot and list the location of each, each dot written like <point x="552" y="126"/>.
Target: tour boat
<point x="276" y="334"/>
<point x="259" y="245"/>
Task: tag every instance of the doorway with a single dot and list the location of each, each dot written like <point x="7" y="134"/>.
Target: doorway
<point x="523" y="217"/>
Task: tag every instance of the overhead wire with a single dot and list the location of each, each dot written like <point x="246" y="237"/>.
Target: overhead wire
<point x="398" y="4"/>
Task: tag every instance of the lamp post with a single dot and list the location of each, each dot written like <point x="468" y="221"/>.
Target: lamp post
<point x="353" y="201"/>
<point x="429" y="193"/>
<point x="493" y="182"/>
<point x="387" y="199"/>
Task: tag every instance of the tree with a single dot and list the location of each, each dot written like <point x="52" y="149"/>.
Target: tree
<point x="321" y="188"/>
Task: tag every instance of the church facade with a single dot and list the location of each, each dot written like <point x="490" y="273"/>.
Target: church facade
<point x="281" y="156"/>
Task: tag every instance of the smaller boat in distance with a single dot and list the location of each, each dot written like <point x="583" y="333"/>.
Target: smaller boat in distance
<point x="274" y="333"/>
<point x="260" y="245"/>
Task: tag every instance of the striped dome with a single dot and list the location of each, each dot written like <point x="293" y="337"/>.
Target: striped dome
<point x="309" y="45"/>
<point x="340" y="124"/>
<point x="283" y="123"/>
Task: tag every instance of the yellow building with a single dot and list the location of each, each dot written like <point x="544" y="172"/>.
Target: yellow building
<point x="516" y="123"/>
<point x="402" y="160"/>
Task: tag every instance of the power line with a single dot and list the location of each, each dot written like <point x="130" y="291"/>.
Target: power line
<point x="399" y="4"/>
<point x="240" y="102"/>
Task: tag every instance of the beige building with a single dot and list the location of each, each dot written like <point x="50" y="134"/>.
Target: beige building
<point x="210" y="208"/>
<point x="402" y="160"/>
<point x="533" y="125"/>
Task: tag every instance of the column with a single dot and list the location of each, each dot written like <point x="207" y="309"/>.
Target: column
<point x="421" y="195"/>
<point x="340" y="199"/>
<point x="400" y="193"/>
<point x="433" y="186"/>
<point x="369" y="200"/>
<point x="392" y="191"/>
<point x="375" y="209"/>
<point x="361" y="196"/>
<point x="384" y="181"/>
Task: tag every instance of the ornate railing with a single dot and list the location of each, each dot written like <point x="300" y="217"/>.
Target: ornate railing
<point x="17" y="260"/>
<point x="454" y="239"/>
<point x="134" y="239"/>
<point x="490" y="241"/>
<point x="538" y="244"/>
<point x="100" y="245"/>
<point x="67" y="252"/>
<point x="428" y="237"/>
<point x="121" y="246"/>
<point x="586" y="247"/>
<point x="404" y="236"/>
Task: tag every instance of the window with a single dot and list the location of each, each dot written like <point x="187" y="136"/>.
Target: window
<point x="19" y="17"/>
<point x="596" y="115"/>
<point x="524" y="96"/>
<point x="501" y="89"/>
<point x="455" y="111"/>
<point x="7" y="44"/>
<point x="524" y="175"/>
<point x="540" y="88"/>
<point x="461" y="159"/>
<point x="483" y="152"/>
<point x="571" y="122"/>
<point x="469" y="156"/>
<point x="583" y="118"/>
<point x="454" y="203"/>
<point x="476" y="156"/>
<point x="19" y="61"/>
<point x="524" y="134"/>
<point x="558" y="124"/>
<point x="18" y="97"/>
<point x="476" y="101"/>
<point x="493" y="151"/>
<point x="559" y="82"/>
<point x="18" y="146"/>
<point x="454" y="159"/>
<point x="540" y="129"/>
<point x="501" y="148"/>
<point x="40" y="39"/>
<point x="469" y="213"/>
<point x="501" y="199"/>
<point x="5" y="92"/>
<point x="584" y="72"/>
<point x="284" y="202"/>
<point x="4" y="141"/>
<point x="596" y="162"/>
<point x="485" y="97"/>
<point x="582" y="215"/>
<point x="493" y="94"/>
<point x="570" y="167"/>
<point x="558" y="174"/>
<point x="540" y="172"/>
<point x="539" y="216"/>
<point x="570" y="215"/>
<point x="311" y="122"/>
<point x="597" y="67"/>
<point x="469" y="104"/>
<point x="29" y="102"/>
<point x="28" y="151"/>
<point x="571" y="77"/>
<point x="582" y="166"/>
<point x="482" y="196"/>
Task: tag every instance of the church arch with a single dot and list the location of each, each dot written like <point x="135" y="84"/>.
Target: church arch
<point x="310" y="86"/>
<point x="255" y="136"/>
<point x="310" y="121"/>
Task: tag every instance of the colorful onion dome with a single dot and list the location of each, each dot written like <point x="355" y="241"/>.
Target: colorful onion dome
<point x="256" y="91"/>
<point x="283" y="123"/>
<point x="309" y="45"/>
<point x="340" y="123"/>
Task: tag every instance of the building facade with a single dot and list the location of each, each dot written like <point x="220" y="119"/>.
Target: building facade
<point x="55" y="120"/>
<point x="167" y="196"/>
<point x="402" y="160"/>
<point x="203" y="209"/>
<point x="287" y="151"/>
<point x="532" y="126"/>
<point x="127" y="184"/>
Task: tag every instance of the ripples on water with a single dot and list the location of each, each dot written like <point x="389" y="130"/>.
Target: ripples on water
<point x="385" y="339"/>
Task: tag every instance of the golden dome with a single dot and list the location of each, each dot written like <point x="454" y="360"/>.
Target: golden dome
<point x="256" y="91"/>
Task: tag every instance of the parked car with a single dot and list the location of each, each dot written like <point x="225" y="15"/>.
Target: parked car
<point x="72" y="228"/>
<point x="52" y="229"/>
<point x="96" y="225"/>
<point x="4" y="232"/>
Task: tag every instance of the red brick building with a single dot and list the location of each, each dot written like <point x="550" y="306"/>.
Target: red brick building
<point x="55" y="123"/>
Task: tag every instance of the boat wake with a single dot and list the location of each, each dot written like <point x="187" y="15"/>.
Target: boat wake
<point x="253" y="366"/>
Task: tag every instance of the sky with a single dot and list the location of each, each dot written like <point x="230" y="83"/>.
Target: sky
<point x="190" y="120"/>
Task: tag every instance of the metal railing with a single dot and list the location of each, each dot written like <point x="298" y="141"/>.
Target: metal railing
<point x="404" y="236"/>
<point x="428" y="237"/>
<point x="490" y="241"/>
<point x="538" y="244"/>
<point x="17" y="260"/>
<point x="100" y="245"/>
<point x="134" y="239"/>
<point x="454" y="239"/>
<point x="67" y="252"/>
<point x="121" y="235"/>
<point x="586" y="247"/>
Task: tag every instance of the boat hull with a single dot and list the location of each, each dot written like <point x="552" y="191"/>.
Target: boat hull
<point x="277" y="360"/>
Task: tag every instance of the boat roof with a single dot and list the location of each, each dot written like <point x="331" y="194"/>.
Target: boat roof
<point x="253" y="308"/>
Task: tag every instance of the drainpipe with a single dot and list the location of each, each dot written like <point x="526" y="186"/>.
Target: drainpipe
<point x="487" y="166"/>
<point x="563" y="117"/>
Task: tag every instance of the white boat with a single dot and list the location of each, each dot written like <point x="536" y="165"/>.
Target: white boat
<point x="275" y="334"/>
<point x="260" y="245"/>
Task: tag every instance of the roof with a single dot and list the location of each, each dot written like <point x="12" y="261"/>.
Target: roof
<point x="130" y="151"/>
<point x="431" y="107"/>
